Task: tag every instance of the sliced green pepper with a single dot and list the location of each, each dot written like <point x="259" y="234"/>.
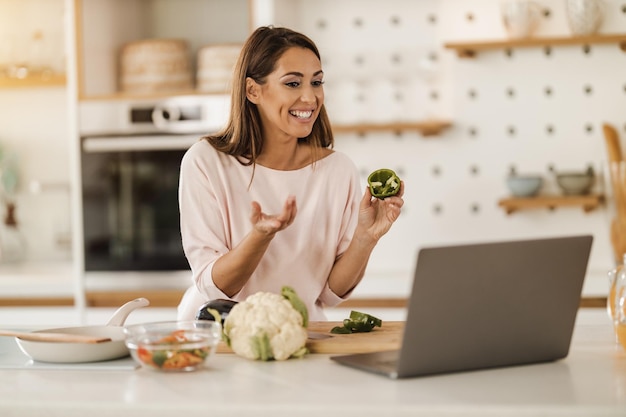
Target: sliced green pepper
<point x="340" y="330"/>
<point x="383" y="183"/>
<point x="357" y="323"/>
<point x="363" y="317"/>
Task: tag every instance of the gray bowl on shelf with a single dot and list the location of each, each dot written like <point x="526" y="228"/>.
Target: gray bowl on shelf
<point x="575" y="183"/>
<point x="524" y="185"/>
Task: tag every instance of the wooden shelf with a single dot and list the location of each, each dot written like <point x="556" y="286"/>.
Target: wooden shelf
<point x="471" y="48"/>
<point x="587" y="202"/>
<point x="146" y="96"/>
<point x="426" y="128"/>
<point x="55" y="80"/>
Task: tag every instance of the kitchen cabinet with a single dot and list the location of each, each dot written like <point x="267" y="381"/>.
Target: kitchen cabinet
<point x="470" y="49"/>
<point x="103" y="27"/>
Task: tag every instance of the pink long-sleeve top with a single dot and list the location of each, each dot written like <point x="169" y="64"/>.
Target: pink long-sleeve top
<point x="215" y="197"/>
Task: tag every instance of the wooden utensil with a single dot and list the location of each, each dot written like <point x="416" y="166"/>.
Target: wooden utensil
<point x="55" y="337"/>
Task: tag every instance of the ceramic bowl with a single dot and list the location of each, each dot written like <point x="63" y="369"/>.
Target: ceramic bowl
<point x="173" y="345"/>
<point x="575" y="183"/>
<point x="524" y="185"/>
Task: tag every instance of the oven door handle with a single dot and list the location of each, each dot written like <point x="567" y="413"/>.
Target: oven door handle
<point x="138" y="143"/>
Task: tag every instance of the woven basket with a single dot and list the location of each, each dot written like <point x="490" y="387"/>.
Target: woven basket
<point x="215" y="67"/>
<point x="155" y="65"/>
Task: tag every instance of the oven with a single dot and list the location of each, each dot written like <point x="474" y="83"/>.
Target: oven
<point x="130" y="161"/>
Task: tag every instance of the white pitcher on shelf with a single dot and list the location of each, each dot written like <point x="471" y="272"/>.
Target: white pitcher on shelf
<point x="584" y="16"/>
<point x="520" y="17"/>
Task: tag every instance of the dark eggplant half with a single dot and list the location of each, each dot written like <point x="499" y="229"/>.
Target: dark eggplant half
<point x="215" y="307"/>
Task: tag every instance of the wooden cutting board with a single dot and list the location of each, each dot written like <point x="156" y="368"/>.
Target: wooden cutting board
<point x="387" y="337"/>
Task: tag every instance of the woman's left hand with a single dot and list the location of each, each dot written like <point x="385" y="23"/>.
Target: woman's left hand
<point x="376" y="216"/>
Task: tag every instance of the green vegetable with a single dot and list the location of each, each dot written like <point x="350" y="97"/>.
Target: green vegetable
<point x="300" y="353"/>
<point x="362" y="317"/>
<point x="357" y="323"/>
<point x="291" y="296"/>
<point x="340" y="330"/>
<point x="262" y="347"/>
<point x="383" y="183"/>
<point x="159" y="357"/>
<point x="201" y="353"/>
<point x="267" y="326"/>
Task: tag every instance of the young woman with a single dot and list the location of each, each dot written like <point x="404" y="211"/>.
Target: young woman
<point x="267" y="202"/>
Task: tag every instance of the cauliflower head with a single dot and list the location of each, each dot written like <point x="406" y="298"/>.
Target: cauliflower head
<point x="266" y="326"/>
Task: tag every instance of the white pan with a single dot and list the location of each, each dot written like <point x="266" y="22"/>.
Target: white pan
<point x="71" y="352"/>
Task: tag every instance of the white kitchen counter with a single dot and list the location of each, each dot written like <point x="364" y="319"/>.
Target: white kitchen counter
<point x="591" y="381"/>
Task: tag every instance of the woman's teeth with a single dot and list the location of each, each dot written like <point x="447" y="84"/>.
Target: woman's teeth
<point x="301" y="114"/>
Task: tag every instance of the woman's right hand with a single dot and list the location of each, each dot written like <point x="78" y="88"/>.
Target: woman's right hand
<point x="232" y="270"/>
<point x="271" y="223"/>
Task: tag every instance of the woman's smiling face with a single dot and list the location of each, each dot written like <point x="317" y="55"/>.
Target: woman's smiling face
<point x="291" y="98"/>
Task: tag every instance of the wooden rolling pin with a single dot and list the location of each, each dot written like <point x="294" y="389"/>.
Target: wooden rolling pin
<point x="55" y="337"/>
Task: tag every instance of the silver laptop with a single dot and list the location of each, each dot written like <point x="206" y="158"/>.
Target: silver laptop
<point x="487" y="305"/>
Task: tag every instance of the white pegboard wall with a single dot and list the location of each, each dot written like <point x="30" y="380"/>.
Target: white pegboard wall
<point x="534" y="109"/>
<point x="370" y="77"/>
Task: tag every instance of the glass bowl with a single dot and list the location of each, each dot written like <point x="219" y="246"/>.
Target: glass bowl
<point x="173" y="345"/>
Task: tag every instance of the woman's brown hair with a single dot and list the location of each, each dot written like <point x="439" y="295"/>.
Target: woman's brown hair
<point x="242" y="137"/>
